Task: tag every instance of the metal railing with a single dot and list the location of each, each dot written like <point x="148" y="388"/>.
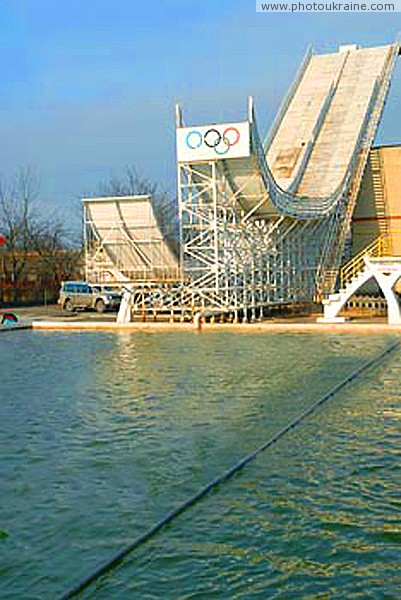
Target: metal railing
<point x="306" y="207"/>
<point x="380" y="247"/>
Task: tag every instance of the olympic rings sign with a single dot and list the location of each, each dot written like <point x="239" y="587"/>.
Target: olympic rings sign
<point x="212" y="138"/>
<point x="213" y="142"/>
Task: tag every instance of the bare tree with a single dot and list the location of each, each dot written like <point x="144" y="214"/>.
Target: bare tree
<point x="129" y="184"/>
<point x="17" y="221"/>
<point x="58" y="258"/>
<point x="31" y="233"/>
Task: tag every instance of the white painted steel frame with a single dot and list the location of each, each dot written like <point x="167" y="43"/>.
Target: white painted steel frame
<point x="236" y="262"/>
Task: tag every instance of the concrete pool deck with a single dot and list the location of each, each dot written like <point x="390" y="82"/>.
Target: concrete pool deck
<point x="53" y="318"/>
<point x="238" y="327"/>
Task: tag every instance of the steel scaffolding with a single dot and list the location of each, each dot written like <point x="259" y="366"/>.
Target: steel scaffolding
<point x="234" y="261"/>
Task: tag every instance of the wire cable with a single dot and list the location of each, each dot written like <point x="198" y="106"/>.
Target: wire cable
<point x="117" y="558"/>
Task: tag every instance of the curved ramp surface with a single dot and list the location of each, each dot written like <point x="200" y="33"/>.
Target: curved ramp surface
<point x="361" y="73"/>
<point x="125" y="234"/>
<point x="326" y="129"/>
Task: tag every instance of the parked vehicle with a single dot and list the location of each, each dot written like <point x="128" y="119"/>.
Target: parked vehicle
<point x="81" y="295"/>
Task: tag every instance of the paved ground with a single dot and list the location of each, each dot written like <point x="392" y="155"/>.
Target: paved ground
<point x="53" y="312"/>
<point x="56" y="314"/>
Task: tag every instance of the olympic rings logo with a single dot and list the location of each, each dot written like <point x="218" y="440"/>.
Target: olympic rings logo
<point x="212" y="138"/>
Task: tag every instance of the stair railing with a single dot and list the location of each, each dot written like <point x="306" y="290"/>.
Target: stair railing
<point x="380" y="247"/>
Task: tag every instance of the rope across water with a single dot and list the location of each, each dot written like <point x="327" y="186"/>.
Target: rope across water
<point x="116" y="559"/>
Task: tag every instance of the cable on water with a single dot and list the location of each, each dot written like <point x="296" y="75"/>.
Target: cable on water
<point x="117" y="558"/>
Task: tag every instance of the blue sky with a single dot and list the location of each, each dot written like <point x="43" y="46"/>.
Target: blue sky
<point x="89" y="87"/>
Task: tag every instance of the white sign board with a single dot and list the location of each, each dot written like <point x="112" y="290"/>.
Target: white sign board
<point x="213" y="142"/>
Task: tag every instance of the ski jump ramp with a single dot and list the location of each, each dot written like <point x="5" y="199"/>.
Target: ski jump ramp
<point x="124" y="242"/>
<point x="266" y="222"/>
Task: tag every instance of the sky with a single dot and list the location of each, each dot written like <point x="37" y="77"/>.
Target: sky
<point x="89" y="87"/>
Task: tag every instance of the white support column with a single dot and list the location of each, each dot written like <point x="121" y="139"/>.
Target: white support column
<point x="124" y="312"/>
<point x="386" y="271"/>
<point x="180" y="183"/>
<point x="215" y="227"/>
<point x="387" y="276"/>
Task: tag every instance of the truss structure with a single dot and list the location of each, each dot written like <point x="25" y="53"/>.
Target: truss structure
<point x="234" y="261"/>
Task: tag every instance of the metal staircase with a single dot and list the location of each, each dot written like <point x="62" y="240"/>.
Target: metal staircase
<point x="379" y="190"/>
<point x="380" y="247"/>
<point x="374" y="261"/>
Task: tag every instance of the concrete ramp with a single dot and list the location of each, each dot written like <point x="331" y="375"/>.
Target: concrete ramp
<point x="289" y="145"/>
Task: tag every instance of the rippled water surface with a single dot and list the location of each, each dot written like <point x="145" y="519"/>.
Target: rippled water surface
<point x="103" y="433"/>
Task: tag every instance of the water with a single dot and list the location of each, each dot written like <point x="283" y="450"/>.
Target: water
<point x="103" y="433"/>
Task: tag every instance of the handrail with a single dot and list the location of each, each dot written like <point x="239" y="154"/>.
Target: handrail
<point x="354" y="266"/>
<point x="288" y="98"/>
<point x="380" y="247"/>
<point x="304" y="207"/>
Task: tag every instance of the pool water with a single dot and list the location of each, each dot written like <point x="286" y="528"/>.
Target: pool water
<point x="105" y="433"/>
